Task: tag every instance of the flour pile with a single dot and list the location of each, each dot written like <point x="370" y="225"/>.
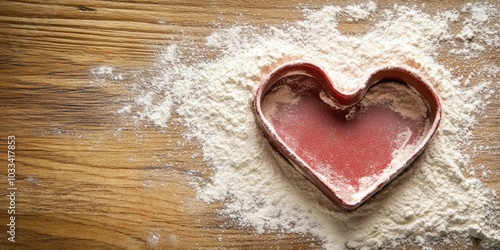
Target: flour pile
<point x="433" y="201"/>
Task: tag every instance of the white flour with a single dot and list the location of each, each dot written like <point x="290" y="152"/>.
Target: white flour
<point x="432" y="201"/>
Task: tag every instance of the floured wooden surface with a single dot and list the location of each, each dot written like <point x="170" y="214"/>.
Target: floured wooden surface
<point x="87" y="176"/>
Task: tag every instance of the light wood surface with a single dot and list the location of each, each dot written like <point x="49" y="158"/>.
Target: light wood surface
<point x="88" y="178"/>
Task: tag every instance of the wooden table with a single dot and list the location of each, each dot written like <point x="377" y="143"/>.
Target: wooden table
<point x="88" y="178"/>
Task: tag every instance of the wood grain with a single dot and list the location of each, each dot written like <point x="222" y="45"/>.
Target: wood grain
<point x="90" y="179"/>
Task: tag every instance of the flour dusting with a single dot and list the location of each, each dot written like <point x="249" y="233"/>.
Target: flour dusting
<point x="432" y="202"/>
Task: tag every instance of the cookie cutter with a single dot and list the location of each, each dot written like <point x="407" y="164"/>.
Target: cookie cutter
<point x="328" y="183"/>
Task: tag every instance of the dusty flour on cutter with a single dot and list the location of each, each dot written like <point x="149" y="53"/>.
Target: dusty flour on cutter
<point x="431" y="202"/>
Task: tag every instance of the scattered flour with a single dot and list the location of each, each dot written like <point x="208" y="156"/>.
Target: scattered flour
<point x="403" y="100"/>
<point x="104" y="73"/>
<point x="433" y="201"/>
<point x="478" y="31"/>
<point x="359" y="11"/>
<point x="153" y="239"/>
<point x="102" y="70"/>
<point x="282" y="95"/>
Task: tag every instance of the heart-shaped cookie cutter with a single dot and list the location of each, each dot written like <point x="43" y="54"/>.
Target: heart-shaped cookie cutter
<point x="404" y="75"/>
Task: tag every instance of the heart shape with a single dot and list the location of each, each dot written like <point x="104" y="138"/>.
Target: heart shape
<point x="347" y="145"/>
